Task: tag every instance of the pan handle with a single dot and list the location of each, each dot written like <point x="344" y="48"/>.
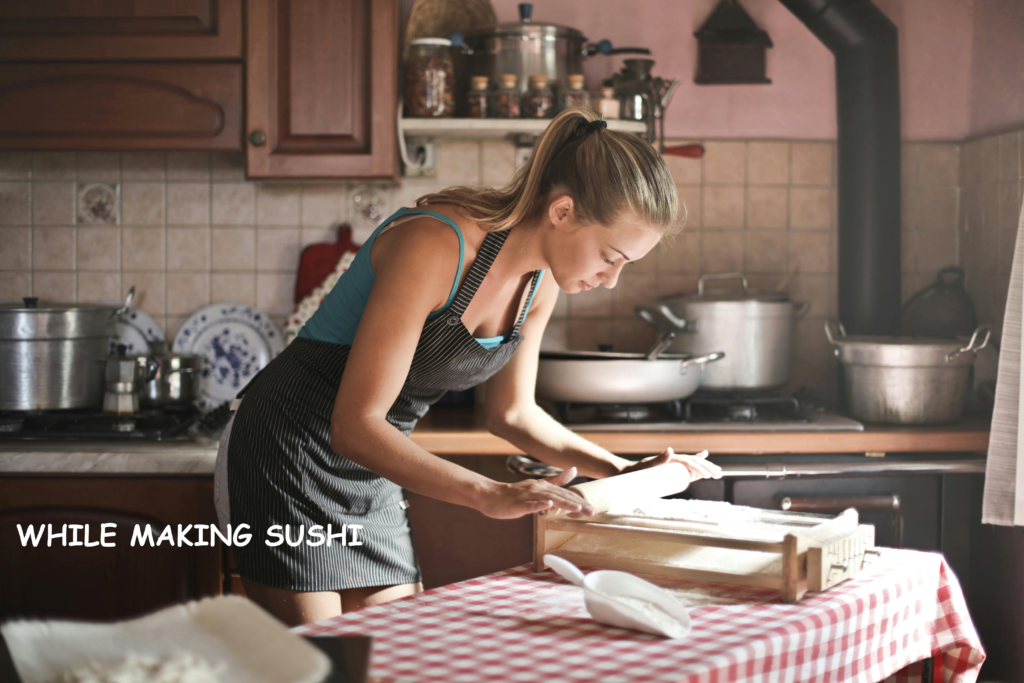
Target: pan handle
<point x="722" y="276"/>
<point x="686" y="362"/>
<point x="828" y="331"/>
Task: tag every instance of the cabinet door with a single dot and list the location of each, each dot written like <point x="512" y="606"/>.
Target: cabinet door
<point x="116" y="30"/>
<point x="321" y="88"/>
<point x="121" y="106"/>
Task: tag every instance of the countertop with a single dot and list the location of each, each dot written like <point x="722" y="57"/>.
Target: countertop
<point x="461" y="431"/>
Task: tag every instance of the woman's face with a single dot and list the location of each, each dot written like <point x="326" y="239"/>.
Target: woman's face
<point x="586" y="256"/>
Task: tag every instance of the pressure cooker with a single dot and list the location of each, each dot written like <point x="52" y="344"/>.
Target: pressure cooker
<point x="49" y="353"/>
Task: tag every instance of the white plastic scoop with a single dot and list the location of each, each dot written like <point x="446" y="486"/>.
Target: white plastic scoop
<point x="627" y="601"/>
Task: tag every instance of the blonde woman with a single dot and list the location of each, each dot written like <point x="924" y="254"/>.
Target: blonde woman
<point x="445" y="296"/>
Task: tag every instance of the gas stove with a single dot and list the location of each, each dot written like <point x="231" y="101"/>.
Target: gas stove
<point x="706" y="412"/>
<point x="91" y="424"/>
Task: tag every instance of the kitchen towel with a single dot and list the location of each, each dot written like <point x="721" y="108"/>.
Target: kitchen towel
<point x="1004" y="472"/>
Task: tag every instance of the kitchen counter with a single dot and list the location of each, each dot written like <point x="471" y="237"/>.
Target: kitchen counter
<point x="461" y="431"/>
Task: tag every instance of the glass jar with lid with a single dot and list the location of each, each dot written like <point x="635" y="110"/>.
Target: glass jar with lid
<point x="430" y="78"/>
<point x="608" y="106"/>
<point x="576" y="95"/>
<point x="506" y="98"/>
<point x="539" y="101"/>
<point x="477" y="102"/>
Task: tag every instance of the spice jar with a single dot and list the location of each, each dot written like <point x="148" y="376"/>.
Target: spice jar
<point x="477" y="98"/>
<point x="430" y="78"/>
<point x="506" y="98"/>
<point x="576" y="96"/>
<point x="539" y="102"/>
<point x="608" y="105"/>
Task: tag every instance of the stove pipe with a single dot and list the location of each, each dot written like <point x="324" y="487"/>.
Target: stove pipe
<point x="866" y="49"/>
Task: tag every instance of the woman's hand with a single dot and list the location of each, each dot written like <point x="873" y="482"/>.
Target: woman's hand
<point x="698" y="464"/>
<point x="508" y="501"/>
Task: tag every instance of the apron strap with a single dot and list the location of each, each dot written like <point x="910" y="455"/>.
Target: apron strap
<point x="484" y="258"/>
<point x="537" y="274"/>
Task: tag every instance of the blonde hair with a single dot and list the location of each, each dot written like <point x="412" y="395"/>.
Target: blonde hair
<point x="604" y="171"/>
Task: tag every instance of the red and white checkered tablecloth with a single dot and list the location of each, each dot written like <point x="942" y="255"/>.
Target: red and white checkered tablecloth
<point x="517" y="625"/>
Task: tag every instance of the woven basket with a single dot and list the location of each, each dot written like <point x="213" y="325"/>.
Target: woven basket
<point x="441" y="18"/>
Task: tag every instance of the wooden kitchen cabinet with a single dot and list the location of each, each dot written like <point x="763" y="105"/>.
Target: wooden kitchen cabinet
<point x="321" y="88"/>
<point x="120" y="30"/>
<point x="103" y="583"/>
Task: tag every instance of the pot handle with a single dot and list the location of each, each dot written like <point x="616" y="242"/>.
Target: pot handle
<point x="721" y="276"/>
<point x="127" y="303"/>
<point x="828" y="331"/>
<point x="801" y="309"/>
<point x="707" y="358"/>
<point x="971" y="348"/>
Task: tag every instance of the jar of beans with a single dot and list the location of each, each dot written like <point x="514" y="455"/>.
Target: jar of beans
<point x="506" y="98"/>
<point x="539" y="101"/>
<point x="477" y="98"/>
<point x="576" y="95"/>
<point x="430" y="78"/>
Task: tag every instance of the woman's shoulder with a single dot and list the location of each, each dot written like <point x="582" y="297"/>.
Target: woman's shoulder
<point x="430" y="239"/>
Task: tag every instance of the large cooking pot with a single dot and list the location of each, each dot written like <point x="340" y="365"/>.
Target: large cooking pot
<point x="905" y="380"/>
<point x="754" y="329"/>
<point x="527" y="48"/>
<point x="48" y="354"/>
<point x="608" y="377"/>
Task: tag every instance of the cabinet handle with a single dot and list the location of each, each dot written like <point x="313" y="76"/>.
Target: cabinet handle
<point x="258" y="138"/>
<point x="831" y="505"/>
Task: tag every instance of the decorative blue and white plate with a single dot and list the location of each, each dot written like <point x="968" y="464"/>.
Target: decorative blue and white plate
<point x="135" y="329"/>
<point x="235" y="342"/>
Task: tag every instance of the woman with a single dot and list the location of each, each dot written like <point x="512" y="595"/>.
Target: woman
<point x="321" y="436"/>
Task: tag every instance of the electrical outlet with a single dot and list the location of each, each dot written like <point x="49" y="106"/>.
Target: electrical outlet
<point x="424" y="151"/>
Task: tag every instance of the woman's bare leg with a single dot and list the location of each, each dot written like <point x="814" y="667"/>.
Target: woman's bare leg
<point x="294" y="607"/>
<point x="357" y="598"/>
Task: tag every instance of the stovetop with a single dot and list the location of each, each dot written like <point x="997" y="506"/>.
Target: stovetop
<point x="90" y="424"/>
<point x="707" y="412"/>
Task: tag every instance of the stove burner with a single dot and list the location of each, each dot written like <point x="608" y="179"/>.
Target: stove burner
<point x="10" y="425"/>
<point x="122" y="424"/>
<point x="742" y="413"/>
<point x="624" y="413"/>
<point x="698" y="409"/>
<point x="153" y="425"/>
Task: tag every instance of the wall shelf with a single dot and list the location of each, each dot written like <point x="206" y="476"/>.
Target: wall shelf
<point x="494" y="128"/>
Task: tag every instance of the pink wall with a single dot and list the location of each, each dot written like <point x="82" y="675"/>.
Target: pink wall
<point x="997" y="66"/>
<point x="935" y="71"/>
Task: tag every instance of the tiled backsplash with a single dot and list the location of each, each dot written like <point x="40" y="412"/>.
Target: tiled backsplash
<point x="188" y="229"/>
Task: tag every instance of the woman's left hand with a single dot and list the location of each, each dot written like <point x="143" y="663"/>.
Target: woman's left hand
<point x="699" y="466"/>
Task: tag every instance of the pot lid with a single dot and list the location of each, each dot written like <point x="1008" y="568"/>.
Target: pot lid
<point x="732" y="293"/>
<point x="33" y="305"/>
<point x="526" y="28"/>
<point x="30" y="320"/>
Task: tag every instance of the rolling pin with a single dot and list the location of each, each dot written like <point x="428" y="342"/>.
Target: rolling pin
<point x="654" y="482"/>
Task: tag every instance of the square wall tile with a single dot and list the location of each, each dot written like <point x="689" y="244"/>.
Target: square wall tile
<point x="233" y="248"/>
<point x="142" y="248"/>
<point x="308" y="236"/>
<point x="632" y="335"/>
<point x="1009" y="157"/>
<point x="274" y="292"/>
<point x="227" y="165"/>
<point x="54" y="287"/>
<point x="680" y="254"/>
<point x="98" y="203"/>
<point x="234" y="204"/>
<point x="813" y="290"/>
<point x="725" y="163"/>
<point x="458" y="162"/>
<point x="689" y="206"/>
<point x="188" y="203"/>
<point x="631" y="290"/>
<point x="767" y="207"/>
<point x="721" y="251"/>
<point x="53" y="203"/>
<point x="235" y="287"/>
<point x="324" y="205"/>
<point x="556" y="335"/>
<point x="277" y="249"/>
<point x="15" y="203"/>
<point x="15" y="165"/>
<point x="142" y="203"/>
<point x="99" y="248"/>
<point x="150" y="287"/>
<point x="988" y="160"/>
<point x="684" y="170"/>
<point x="810" y="251"/>
<point x="278" y="204"/>
<point x="810" y="208"/>
<point x="811" y="163"/>
<point x="588" y="335"/>
<point x="53" y="166"/>
<point x="939" y="164"/>
<point x="15" y="285"/>
<point x="765" y="252"/>
<point x="670" y="284"/>
<point x="188" y="166"/>
<point x="188" y="248"/>
<point x="499" y="162"/>
<point x="768" y="163"/>
<point x="723" y="207"/>
<point x="93" y="166"/>
<point x="53" y="248"/>
<point x="99" y="287"/>
<point x="909" y="162"/>
<point x="187" y="292"/>
<point x="16" y="252"/>
<point x="593" y="303"/>
<point x="935" y="250"/>
<point x="1009" y="204"/>
<point x="143" y="165"/>
<point x="935" y="208"/>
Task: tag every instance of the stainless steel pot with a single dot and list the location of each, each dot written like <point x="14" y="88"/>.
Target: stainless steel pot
<point x="754" y="329"/>
<point x="174" y="380"/>
<point x="606" y="377"/>
<point x="48" y="354"/>
<point x="905" y="380"/>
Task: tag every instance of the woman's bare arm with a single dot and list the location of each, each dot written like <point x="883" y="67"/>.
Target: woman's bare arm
<point x="413" y="277"/>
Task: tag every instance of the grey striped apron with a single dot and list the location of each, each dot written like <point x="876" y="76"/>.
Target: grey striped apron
<point x="281" y="468"/>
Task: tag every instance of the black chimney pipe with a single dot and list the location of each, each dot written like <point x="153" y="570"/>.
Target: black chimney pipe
<point x="866" y="49"/>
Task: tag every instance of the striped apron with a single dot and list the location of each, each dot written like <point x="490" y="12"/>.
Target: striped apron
<point x="280" y="468"/>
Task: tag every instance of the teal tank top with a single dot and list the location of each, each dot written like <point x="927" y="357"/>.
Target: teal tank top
<point x="338" y="317"/>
